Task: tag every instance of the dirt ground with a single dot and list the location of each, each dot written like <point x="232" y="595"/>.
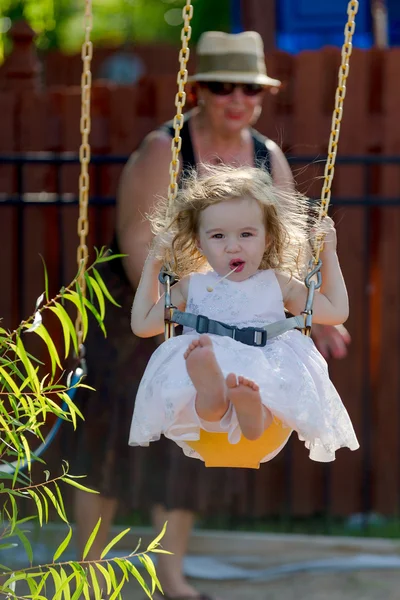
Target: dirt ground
<point x="358" y="585"/>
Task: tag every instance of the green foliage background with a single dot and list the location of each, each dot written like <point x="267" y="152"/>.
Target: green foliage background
<point x="59" y="23"/>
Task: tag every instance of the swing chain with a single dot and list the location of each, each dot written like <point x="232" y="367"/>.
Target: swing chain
<point x="347" y="49"/>
<point x="166" y="276"/>
<point x="180" y="100"/>
<point x="84" y="158"/>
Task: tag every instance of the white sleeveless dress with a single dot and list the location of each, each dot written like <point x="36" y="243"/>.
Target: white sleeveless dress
<point x="292" y="374"/>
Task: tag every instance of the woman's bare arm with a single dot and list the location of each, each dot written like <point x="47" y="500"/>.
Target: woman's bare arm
<point x="281" y="172"/>
<point x="145" y="177"/>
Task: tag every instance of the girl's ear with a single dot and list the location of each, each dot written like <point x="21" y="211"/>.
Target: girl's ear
<point x="198" y="245"/>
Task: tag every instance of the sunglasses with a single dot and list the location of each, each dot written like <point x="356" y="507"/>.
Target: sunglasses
<point x="220" y="88"/>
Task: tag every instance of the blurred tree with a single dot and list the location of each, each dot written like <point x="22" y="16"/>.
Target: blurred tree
<point x="116" y="22"/>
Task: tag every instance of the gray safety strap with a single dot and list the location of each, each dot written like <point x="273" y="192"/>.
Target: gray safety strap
<point x="217" y="328"/>
<point x="275" y="329"/>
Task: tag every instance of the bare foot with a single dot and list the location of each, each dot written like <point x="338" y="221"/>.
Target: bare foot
<point x="207" y="378"/>
<point x="253" y="417"/>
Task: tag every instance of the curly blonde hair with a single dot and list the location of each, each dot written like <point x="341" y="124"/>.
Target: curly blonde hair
<point x="286" y="218"/>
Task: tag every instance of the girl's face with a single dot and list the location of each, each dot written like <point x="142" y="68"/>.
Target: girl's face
<point x="230" y="113"/>
<point x="232" y="234"/>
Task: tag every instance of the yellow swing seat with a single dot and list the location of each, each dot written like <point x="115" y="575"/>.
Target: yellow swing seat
<point x="217" y="451"/>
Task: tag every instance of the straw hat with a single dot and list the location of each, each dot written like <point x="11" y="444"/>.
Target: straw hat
<point x="236" y="57"/>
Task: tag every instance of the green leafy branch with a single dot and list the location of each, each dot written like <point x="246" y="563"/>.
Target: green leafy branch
<point x="28" y="398"/>
<point x="85" y="573"/>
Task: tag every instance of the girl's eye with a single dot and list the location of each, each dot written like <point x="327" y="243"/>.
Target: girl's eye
<point x="246" y="234"/>
<point x="218" y="236"/>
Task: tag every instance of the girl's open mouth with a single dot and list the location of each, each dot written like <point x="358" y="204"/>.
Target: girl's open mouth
<point x="237" y="264"/>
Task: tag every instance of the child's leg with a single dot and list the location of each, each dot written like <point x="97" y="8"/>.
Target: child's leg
<point x="254" y="418"/>
<point x="208" y="380"/>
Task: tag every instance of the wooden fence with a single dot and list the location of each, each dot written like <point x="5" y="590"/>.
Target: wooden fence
<point x="47" y="120"/>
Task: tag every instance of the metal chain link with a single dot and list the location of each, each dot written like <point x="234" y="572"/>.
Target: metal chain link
<point x="347" y="49"/>
<point x="315" y="263"/>
<point x="84" y="157"/>
<point x="180" y="100"/>
<point x="176" y="145"/>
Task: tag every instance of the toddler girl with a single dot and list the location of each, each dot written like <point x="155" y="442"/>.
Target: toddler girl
<point x="239" y="247"/>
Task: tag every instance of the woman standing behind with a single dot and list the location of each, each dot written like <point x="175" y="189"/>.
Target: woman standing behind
<point x="230" y="81"/>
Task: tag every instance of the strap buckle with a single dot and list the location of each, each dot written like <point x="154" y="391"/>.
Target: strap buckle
<point x="251" y="336"/>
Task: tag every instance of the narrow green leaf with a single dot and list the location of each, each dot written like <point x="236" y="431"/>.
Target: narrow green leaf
<point x="46" y="507"/>
<point x="66" y="582"/>
<point x="42" y="580"/>
<point x="60" y="498"/>
<point x="113" y="542"/>
<point x="121" y="564"/>
<point x="99" y="296"/>
<point x="42" y="332"/>
<point x="75" y="299"/>
<point x="10" y="381"/>
<point x="106" y="576"/>
<point x="26" y="543"/>
<point x="113" y="579"/>
<point x="91" y="539"/>
<point x="95" y="583"/>
<point x="57" y="584"/>
<point x="79" y="588"/>
<point x="27" y="451"/>
<point x="7" y="546"/>
<point x="96" y="315"/>
<point x="14" y="512"/>
<point x="46" y="279"/>
<point x="64" y="544"/>
<point x="148" y="563"/>
<point x="89" y="287"/>
<point x="104" y="259"/>
<point x="78" y="485"/>
<point x="156" y="542"/>
<point x="32" y="585"/>
<point x="67" y="327"/>
<point x="117" y="592"/>
<point x="86" y="592"/>
<point x="31" y="372"/>
<point x="55" y="503"/>
<point x="104" y="288"/>
<point x="139" y="578"/>
<point x="36" y="498"/>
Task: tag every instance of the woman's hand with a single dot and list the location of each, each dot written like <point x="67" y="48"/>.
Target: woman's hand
<point x="331" y="341"/>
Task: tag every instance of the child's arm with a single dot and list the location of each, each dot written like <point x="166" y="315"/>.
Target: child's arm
<point x="147" y="318"/>
<point x="331" y="305"/>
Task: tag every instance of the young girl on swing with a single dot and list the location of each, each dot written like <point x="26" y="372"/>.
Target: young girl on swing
<point x="240" y="248"/>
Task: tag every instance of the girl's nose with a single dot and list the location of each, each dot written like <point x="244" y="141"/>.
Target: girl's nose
<point x="233" y="246"/>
